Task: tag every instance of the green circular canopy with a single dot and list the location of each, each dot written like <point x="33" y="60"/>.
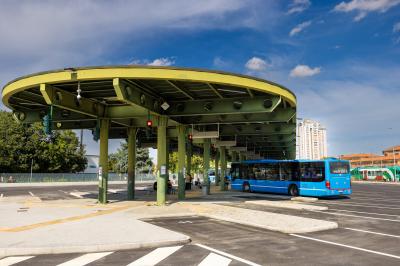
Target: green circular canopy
<point x="246" y="112"/>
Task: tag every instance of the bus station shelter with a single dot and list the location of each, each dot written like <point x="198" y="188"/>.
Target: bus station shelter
<point x="221" y="115"/>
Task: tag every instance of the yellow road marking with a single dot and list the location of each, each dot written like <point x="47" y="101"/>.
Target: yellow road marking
<point x="64" y="220"/>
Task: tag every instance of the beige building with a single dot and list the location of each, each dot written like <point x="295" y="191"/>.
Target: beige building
<point x="311" y="142"/>
<point x="390" y="157"/>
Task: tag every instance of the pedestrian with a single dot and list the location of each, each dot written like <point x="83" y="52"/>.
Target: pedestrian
<point x="188" y="182"/>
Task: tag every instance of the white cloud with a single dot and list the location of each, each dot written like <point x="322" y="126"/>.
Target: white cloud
<point x="304" y="71"/>
<point x="256" y="64"/>
<point x="299" y="28"/>
<point x="298" y="6"/>
<point x="396" y="27"/>
<point x="165" y="61"/>
<point x="363" y="7"/>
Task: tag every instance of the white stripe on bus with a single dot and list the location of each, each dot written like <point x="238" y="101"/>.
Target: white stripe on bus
<point x="347" y="246"/>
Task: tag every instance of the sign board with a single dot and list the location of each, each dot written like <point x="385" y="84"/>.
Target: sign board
<point x="100" y="173"/>
<point x="163" y="170"/>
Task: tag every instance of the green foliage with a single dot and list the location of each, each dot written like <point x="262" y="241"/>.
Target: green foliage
<point x="197" y="163"/>
<point x="20" y="144"/>
<point x="118" y="161"/>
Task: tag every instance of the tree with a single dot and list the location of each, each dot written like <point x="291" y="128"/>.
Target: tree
<point x="21" y="144"/>
<point x="118" y="161"/>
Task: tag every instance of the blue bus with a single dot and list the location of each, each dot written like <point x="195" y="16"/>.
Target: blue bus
<point x="317" y="178"/>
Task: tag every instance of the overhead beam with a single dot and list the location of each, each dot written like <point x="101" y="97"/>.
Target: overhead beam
<point x="215" y="90"/>
<point x="180" y="90"/>
<point x="224" y="106"/>
<point x="66" y="100"/>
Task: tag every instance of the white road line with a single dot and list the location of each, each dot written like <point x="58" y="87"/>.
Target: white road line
<point x="359" y="216"/>
<point x="347" y="246"/>
<point x="1" y="195"/>
<point x="155" y="256"/>
<point x="374" y="213"/>
<point x="63" y="191"/>
<point x="33" y="195"/>
<point x="76" y="195"/>
<point x="13" y="260"/>
<point x="85" y="259"/>
<point x="370" y="232"/>
<point x="229" y="255"/>
<point x="213" y="259"/>
<point x="361" y="205"/>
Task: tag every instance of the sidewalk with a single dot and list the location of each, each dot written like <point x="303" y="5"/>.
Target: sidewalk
<point x="29" y="226"/>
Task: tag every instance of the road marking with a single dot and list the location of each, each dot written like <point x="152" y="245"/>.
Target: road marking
<point x="76" y="195"/>
<point x="213" y="259"/>
<point x="64" y="220"/>
<point x="155" y="256"/>
<point x="33" y="195"/>
<point x="13" y="260"/>
<point x="347" y="246"/>
<point x="361" y="205"/>
<point x="85" y="259"/>
<point x="228" y="255"/>
<point x="1" y="195"/>
<point x="359" y="216"/>
<point x="370" y="232"/>
<point x="185" y="222"/>
<point x="63" y="191"/>
<point x="374" y="213"/>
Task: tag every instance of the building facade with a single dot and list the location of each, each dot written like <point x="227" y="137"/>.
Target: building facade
<point x="311" y="142"/>
<point x="390" y="157"/>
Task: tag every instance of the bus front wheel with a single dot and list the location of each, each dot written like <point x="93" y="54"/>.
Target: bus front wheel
<point x="293" y="191"/>
<point x="246" y="187"/>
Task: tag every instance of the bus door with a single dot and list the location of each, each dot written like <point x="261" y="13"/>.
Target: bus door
<point x="339" y="175"/>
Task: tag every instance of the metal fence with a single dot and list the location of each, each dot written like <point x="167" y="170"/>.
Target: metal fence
<point x="66" y="177"/>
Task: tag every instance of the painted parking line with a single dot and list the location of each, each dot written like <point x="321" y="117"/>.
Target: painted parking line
<point x="373" y="213"/>
<point x="371" y="232"/>
<point x="358" y="216"/>
<point x="33" y="195"/>
<point x="155" y="256"/>
<point x="85" y="259"/>
<point x="363" y="205"/>
<point x="1" y="195"/>
<point x="228" y="255"/>
<point x="13" y="260"/>
<point x="214" y="259"/>
<point x="347" y="246"/>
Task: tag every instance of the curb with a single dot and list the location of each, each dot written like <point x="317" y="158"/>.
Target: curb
<point x="89" y="249"/>
<point x="328" y="225"/>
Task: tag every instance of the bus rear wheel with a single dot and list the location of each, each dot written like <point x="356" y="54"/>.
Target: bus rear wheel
<point x="293" y="191"/>
<point x="246" y="187"/>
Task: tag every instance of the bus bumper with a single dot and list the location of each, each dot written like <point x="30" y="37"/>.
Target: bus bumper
<point x="325" y="192"/>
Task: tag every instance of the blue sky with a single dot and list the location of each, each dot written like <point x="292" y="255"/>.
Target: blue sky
<point x="341" y="58"/>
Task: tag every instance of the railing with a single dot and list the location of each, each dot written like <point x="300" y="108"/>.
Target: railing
<point x="66" y="177"/>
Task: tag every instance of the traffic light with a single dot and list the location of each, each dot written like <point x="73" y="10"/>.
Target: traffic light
<point x="149" y="123"/>
<point x="190" y="137"/>
<point x="47" y="124"/>
<point x="96" y="131"/>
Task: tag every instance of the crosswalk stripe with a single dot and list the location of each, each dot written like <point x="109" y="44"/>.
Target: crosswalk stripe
<point x="12" y="260"/>
<point x="213" y="259"/>
<point x="228" y="255"/>
<point x="85" y="259"/>
<point x="155" y="256"/>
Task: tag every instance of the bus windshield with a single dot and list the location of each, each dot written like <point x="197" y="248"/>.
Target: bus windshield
<point x="339" y="167"/>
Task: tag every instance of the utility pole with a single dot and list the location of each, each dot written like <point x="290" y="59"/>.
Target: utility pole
<point x="81" y="148"/>
<point x="30" y="181"/>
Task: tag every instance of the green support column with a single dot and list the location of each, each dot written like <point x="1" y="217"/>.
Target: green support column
<point x="234" y="156"/>
<point x="103" y="161"/>
<point x="162" y="159"/>
<point x="223" y="167"/>
<point x="241" y="156"/>
<point x="131" y="162"/>
<point x="206" y="160"/>
<point x="181" y="161"/>
<point x="216" y="168"/>
<point x="189" y="153"/>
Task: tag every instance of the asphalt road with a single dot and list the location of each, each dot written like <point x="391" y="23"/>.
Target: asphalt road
<point x="368" y="234"/>
<point x="116" y="191"/>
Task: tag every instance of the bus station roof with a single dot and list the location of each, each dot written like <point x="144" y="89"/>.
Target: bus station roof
<point x="250" y="112"/>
